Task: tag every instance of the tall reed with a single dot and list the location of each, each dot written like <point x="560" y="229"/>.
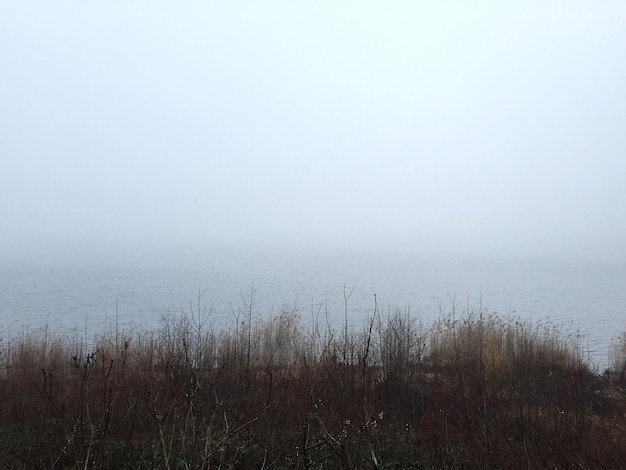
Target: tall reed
<point x="472" y="390"/>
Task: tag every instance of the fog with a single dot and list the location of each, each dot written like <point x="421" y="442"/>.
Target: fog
<point x="447" y="127"/>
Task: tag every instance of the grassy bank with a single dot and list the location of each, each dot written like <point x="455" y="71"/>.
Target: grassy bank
<point x="469" y="391"/>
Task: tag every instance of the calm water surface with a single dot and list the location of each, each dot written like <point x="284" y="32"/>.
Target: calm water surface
<point x="84" y="299"/>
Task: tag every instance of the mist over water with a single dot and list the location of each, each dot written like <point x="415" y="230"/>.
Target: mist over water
<point x="436" y="155"/>
<point x="83" y="299"/>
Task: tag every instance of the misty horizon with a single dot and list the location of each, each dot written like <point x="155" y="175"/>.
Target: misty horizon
<point x="418" y="128"/>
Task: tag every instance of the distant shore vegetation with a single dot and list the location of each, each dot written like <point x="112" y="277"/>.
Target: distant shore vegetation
<point x="470" y="391"/>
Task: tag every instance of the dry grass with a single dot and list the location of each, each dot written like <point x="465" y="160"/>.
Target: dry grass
<point x="478" y="391"/>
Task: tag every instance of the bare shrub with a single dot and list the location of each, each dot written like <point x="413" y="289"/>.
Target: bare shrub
<point x="471" y="391"/>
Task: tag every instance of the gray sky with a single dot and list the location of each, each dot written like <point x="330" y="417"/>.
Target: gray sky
<point x="439" y="126"/>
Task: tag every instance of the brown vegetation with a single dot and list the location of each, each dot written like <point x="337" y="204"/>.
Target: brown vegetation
<point x="480" y="391"/>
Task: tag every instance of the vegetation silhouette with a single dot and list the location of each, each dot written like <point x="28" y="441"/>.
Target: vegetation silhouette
<point x="472" y="390"/>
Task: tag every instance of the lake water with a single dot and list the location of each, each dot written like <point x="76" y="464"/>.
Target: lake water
<point x="87" y="297"/>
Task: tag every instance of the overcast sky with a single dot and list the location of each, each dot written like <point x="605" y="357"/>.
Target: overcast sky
<point x="438" y="126"/>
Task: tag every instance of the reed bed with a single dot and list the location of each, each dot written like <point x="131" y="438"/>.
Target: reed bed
<point x="472" y="390"/>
